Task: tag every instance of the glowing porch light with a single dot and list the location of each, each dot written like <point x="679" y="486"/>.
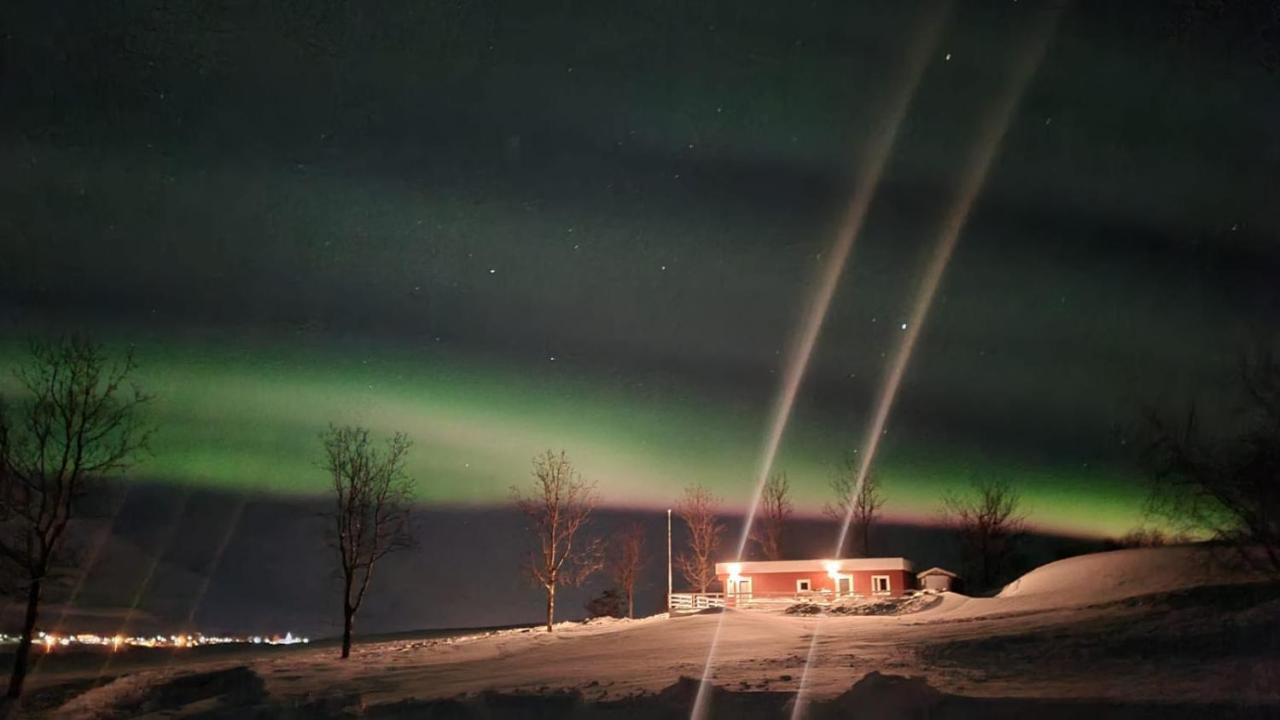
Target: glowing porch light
<point x="735" y="572"/>
<point x="833" y="568"/>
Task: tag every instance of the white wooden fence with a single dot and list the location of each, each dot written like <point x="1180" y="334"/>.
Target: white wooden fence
<point x="692" y="602"/>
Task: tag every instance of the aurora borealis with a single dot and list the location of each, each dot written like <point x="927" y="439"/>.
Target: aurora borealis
<point x="502" y="227"/>
<point x="246" y="419"/>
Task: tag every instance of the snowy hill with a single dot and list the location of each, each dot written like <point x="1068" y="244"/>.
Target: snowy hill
<point x="1109" y="576"/>
<point x="1160" y="632"/>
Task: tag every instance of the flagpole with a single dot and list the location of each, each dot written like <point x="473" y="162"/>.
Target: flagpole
<point x="668" y="560"/>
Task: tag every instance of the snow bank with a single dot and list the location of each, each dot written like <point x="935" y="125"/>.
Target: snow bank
<point x="904" y="605"/>
<point x="1097" y="579"/>
<point x="1048" y="635"/>
<point x="1120" y="574"/>
<point x="565" y="628"/>
<point x="214" y="693"/>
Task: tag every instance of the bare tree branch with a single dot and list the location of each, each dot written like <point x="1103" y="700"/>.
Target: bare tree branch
<point x="373" y="495"/>
<point x="775" y="510"/>
<point x="988" y="522"/>
<point x="558" y="510"/>
<point x="627" y="562"/>
<point x="866" y="503"/>
<point x="698" y="511"/>
<point x="77" y="425"/>
<point x="1225" y="486"/>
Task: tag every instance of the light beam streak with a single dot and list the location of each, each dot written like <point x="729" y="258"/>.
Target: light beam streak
<point x="170" y="532"/>
<point x="815" y="314"/>
<point x="232" y="525"/>
<point x="992" y="131"/>
<point x="89" y="561"/>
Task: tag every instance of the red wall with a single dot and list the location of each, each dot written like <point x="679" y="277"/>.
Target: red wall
<point x="900" y="581"/>
<point x="785" y="583"/>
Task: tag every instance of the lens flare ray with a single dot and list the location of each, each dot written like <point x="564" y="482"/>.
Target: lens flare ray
<point x="992" y="130"/>
<point x="87" y="564"/>
<point x="815" y="313"/>
<point x="171" y="531"/>
<point x="233" y="524"/>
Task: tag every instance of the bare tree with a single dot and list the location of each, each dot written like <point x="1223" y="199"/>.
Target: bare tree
<point x="865" y="503"/>
<point x="1143" y="537"/>
<point x="370" y="519"/>
<point x="775" y="510"/>
<point x="77" y="424"/>
<point x="698" y="510"/>
<point x="1225" y="486"/>
<point x="627" y="562"/>
<point x="558" y="510"/>
<point x="988" y="523"/>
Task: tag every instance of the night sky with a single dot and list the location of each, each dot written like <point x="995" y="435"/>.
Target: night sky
<point x="506" y="227"/>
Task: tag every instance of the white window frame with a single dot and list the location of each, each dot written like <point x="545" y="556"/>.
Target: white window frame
<point x="808" y="585"/>
<point x="888" y="585"/>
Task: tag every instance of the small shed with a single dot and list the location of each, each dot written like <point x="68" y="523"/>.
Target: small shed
<point x="936" y="578"/>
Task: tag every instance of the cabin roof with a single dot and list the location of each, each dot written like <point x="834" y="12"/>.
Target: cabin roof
<point x="845" y="565"/>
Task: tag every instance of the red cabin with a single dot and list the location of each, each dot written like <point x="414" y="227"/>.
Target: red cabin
<point x="869" y="577"/>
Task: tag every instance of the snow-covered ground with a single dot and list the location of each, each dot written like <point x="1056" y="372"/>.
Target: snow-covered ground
<point x="1154" y="626"/>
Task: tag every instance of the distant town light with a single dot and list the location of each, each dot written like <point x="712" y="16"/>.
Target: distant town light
<point x="49" y="640"/>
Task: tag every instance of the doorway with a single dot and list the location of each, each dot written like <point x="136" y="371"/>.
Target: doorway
<point x="844" y="585"/>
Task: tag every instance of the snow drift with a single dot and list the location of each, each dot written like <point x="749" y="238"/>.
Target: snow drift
<point x="1120" y="574"/>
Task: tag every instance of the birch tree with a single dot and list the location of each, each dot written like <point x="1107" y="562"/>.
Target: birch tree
<point x="77" y="423"/>
<point x="373" y="495"/>
<point x="698" y="511"/>
<point x="775" y="510"/>
<point x="1223" y="481"/>
<point x="860" y="505"/>
<point x="988" y="522"/>
<point x="558" y="509"/>
<point x="627" y="561"/>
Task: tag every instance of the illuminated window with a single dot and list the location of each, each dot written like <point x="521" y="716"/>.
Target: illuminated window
<point x="880" y="584"/>
<point x="803" y="585"/>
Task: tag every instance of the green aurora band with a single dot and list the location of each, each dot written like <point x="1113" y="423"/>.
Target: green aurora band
<point x="245" y="416"/>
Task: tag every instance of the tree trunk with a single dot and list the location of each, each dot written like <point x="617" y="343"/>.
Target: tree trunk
<point x="631" y="603"/>
<point x="348" y="619"/>
<point x="23" y="653"/>
<point x="551" y="607"/>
